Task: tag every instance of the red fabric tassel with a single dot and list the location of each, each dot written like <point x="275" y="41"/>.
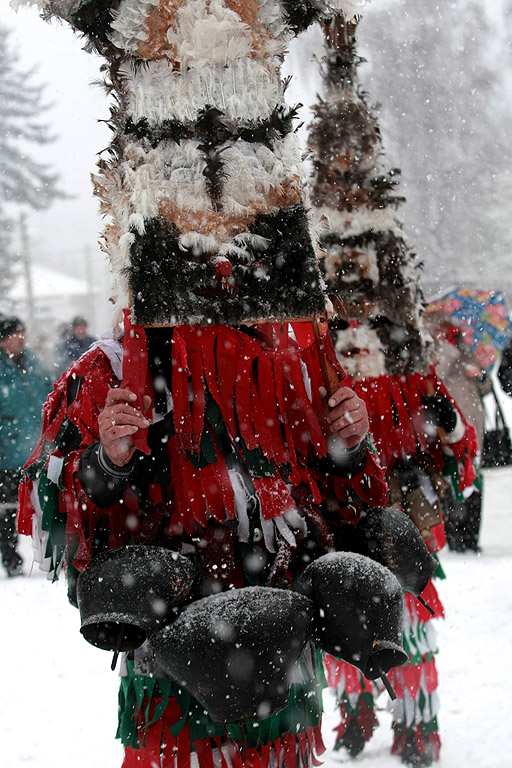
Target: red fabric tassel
<point x="304" y="333"/>
<point x="135" y="366"/>
<point x="267" y="397"/>
<point x="243" y="400"/>
<point x="227" y="351"/>
<point x="190" y="508"/>
<point x="213" y="492"/>
<point x="302" y="738"/>
<point x="180" y="391"/>
<point x="408" y="676"/>
<point x="367" y="721"/>
<point x="418" y="738"/>
<point x="290" y="751"/>
<point x="399" y="739"/>
<point x="203" y="749"/>
<point x="274" y="496"/>
<point x="234" y="753"/>
<point x="198" y="396"/>
<point x="342" y="726"/>
<point x="388" y="395"/>
<point x="416" y="609"/>
<point x="431" y="679"/>
<point x="218" y="744"/>
<point x="307" y="423"/>
<point x="435" y="743"/>
<point x="279" y="395"/>
<point x="25" y="509"/>
<point x="183" y="743"/>
<point x="318" y="746"/>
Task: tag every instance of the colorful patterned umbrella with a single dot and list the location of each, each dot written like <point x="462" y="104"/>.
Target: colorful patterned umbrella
<point x="484" y="318"/>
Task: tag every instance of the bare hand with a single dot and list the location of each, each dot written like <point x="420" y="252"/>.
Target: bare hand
<point x="347" y="417"/>
<point x="472" y="371"/>
<point x="118" y="421"/>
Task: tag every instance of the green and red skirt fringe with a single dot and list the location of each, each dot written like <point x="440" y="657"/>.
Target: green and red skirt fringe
<point x="161" y="726"/>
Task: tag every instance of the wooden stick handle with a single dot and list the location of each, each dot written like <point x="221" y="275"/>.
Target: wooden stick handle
<point x="330" y="374"/>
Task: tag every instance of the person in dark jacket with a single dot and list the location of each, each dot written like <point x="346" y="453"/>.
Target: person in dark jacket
<point x="74" y="345"/>
<point x="505" y="369"/>
<point x="24" y="385"/>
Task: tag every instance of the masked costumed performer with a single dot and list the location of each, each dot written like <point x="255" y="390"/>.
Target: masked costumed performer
<point x="198" y="426"/>
<point x="424" y="440"/>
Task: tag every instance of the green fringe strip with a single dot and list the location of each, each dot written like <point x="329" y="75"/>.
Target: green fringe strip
<point x="137" y="692"/>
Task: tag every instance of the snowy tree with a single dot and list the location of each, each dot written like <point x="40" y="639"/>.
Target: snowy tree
<point x="24" y="179"/>
<point x="444" y="120"/>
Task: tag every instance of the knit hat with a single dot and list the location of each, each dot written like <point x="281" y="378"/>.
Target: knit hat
<point x="9" y="326"/>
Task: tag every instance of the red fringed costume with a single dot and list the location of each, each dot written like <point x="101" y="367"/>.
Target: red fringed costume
<point x="257" y="395"/>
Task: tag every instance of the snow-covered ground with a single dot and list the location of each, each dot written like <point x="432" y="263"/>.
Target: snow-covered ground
<point x="58" y="695"/>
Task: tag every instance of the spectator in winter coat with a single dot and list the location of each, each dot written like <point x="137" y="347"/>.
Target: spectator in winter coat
<point x="24" y="385"/>
<point x="74" y="345"/>
<point x="467" y="382"/>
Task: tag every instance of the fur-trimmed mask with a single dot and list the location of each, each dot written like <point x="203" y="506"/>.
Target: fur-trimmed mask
<point x="203" y="183"/>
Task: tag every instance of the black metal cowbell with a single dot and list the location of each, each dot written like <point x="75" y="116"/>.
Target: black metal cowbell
<point x="235" y="651"/>
<point x="125" y="594"/>
<point x="359" y="611"/>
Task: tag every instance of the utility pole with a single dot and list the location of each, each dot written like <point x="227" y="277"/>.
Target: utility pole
<point x="27" y="271"/>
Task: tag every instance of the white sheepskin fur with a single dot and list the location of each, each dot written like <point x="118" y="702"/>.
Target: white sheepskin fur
<point x="370" y="361"/>
<point x="360" y="220"/>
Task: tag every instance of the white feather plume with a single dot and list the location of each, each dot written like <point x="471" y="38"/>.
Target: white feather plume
<point x="248" y="89"/>
<point x="129" y="24"/>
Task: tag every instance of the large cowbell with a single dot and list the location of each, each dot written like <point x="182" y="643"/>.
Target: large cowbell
<point x="389" y="536"/>
<point x="124" y="594"/>
<point x="359" y="611"/>
<point x="235" y="651"/>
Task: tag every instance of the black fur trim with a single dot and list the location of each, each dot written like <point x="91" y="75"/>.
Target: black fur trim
<point x="173" y="286"/>
<point x="393" y="254"/>
<point x="216" y="126"/>
<point x="94" y="18"/>
<point x="299" y="14"/>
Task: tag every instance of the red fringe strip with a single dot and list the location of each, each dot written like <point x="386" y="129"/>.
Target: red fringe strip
<point x="416" y="609"/>
<point x="401" y="736"/>
<point x="135" y="366"/>
<point x="367" y="722"/>
<point x="162" y="750"/>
